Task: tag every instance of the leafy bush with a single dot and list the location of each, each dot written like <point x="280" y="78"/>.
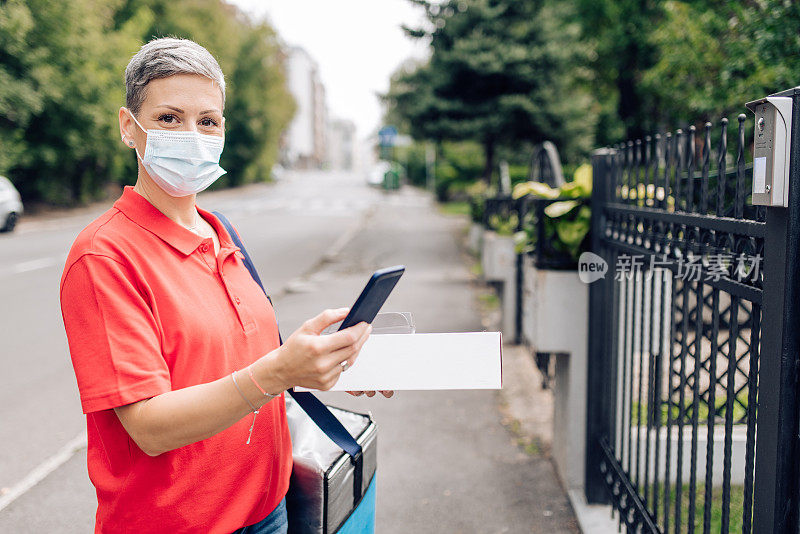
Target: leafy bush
<point x="567" y="220"/>
<point x="458" y="167"/>
<point x="477" y="194"/>
<point x="413" y="160"/>
<point x="504" y="226"/>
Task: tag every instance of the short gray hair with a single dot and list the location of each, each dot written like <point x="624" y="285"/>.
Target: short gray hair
<point x="165" y="57"/>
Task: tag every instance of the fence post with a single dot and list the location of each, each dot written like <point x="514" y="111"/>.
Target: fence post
<point x="776" y="466"/>
<point x="522" y="211"/>
<point x="600" y="410"/>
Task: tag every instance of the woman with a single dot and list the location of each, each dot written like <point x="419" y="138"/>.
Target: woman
<point x="172" y="342"/>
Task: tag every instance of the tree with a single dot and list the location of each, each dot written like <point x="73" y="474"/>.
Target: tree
<point x="713" y="56"/>
<point x="501" y="72"/>
<point x="619" y="34"/>
<point x="61" y="83"/>
<point x="259" y="106"/>
<point x="662" y="63"/>
<point x="55" y="113"/>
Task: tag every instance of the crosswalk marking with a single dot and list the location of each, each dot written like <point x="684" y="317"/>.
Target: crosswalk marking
<point x="321" y="205"/>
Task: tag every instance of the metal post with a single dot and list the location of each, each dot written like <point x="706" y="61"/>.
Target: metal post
<point x="776" y="472"/>
<point x="430" y="165"/>
<point x="522" y="211"/>
<point x="600" y="374"/>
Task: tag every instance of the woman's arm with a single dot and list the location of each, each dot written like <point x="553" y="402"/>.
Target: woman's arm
<point x="180" y="417"/>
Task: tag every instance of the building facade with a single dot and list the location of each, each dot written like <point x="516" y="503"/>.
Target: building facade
<point x="341" y="144"/>
<point x="305" y="144"/>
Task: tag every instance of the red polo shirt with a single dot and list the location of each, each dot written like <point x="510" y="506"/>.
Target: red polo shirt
<point x="149" y="308"/>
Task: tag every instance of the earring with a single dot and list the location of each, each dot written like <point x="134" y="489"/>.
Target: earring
<point x="130" y="143"/>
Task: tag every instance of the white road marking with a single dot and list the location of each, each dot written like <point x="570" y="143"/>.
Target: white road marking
<point x="32" y="265"/>
<point x="313" y="206"/>
<point x="41" y="471"/>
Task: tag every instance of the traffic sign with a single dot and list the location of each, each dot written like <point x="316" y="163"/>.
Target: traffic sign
<point x="387" y="136"/>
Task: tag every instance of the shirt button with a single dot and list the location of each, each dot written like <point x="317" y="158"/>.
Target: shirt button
<point x="236" y="300"/>
<point x="204" y="247"/>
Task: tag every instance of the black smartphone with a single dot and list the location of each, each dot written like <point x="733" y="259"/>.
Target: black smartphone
<point x="373" y="296"/>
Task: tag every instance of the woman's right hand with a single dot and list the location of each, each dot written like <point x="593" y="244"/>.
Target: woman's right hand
<point x="312" y="360"/>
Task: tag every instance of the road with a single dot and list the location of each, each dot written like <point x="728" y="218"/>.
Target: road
<point x="446" y="464"/>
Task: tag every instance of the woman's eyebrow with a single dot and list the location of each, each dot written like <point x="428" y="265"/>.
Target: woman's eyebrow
<point x="173" y="108"/>
<point x="179" y="110"/>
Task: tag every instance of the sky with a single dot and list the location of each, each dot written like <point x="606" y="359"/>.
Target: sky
<point x="357" y="44"/>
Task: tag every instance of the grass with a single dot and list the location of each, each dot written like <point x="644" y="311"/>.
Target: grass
<point x="489" y="300"/>
<point x="739" y="413"/>
<point x="715" y="519"/>
<point x="531" y="446"/>
<point x="455" y="208"/>
<point x="476" y="269"/>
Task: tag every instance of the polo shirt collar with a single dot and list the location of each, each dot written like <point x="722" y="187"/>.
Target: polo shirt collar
<point x="225" y="242"/>
<point x="139" y="210"/>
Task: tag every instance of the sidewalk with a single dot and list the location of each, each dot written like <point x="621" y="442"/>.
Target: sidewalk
<point x="446" y="461"/>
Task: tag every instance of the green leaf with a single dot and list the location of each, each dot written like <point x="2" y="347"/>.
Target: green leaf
<point x="521" y="242"/>
<point x="583" y="179"/>
<point x="572" y="233"/>
<point x="536" y="189"/>
<point x="557" y="209"/>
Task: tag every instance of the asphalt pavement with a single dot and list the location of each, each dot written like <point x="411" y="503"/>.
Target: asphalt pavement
<point x="446" y="463"/>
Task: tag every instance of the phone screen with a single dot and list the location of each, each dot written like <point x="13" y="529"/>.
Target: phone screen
<point x="373" y="296"/>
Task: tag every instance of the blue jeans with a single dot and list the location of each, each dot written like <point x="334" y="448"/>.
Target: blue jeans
<point x="276" y="522"/>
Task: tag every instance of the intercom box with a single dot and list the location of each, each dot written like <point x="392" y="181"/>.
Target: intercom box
<point x="771" y="145"/>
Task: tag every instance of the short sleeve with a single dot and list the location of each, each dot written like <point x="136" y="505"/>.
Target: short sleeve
<point x="114" y="339"/>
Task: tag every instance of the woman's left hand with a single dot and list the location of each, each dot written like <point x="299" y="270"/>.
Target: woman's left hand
<point x="386" y="394"/>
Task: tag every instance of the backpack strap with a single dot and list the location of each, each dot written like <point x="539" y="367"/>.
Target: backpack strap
<point x="316" y="410"/>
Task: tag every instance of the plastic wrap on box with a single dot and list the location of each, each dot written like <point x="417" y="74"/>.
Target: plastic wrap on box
<point x="385" y="323"/>
<point x="321" y="495"/>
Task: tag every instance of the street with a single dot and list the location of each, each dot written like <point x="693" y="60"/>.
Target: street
<point x="446" y="463"/>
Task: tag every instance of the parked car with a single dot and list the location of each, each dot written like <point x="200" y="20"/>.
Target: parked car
<point x="10" y="205"/>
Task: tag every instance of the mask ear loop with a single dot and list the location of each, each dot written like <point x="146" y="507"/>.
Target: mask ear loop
<point x="136" y="121"/>
<point x="136" y="149"/>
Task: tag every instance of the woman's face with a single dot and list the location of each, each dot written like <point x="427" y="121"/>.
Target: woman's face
<point x="183" y="102"/>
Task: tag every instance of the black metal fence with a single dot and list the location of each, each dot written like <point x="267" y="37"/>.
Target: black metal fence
<point x="692" y="401"/>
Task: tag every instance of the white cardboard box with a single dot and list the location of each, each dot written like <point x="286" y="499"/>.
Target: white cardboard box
<point x="471" y="360"/>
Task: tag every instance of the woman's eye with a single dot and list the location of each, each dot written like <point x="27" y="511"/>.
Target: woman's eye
<point x="208" y="122"/>
<point x="168" y="118"/>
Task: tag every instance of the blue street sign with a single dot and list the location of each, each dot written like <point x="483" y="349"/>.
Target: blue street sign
<point x="387" y="136"/>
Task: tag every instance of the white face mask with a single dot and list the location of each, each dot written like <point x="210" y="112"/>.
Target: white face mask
<point x="182" y="163"/>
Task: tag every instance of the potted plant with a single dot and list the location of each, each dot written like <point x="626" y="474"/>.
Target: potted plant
<point x="555" y="305"/>
<point x="476" y="194"/>
<point x="498" y="255"/>
<point x="554" y="234"/>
